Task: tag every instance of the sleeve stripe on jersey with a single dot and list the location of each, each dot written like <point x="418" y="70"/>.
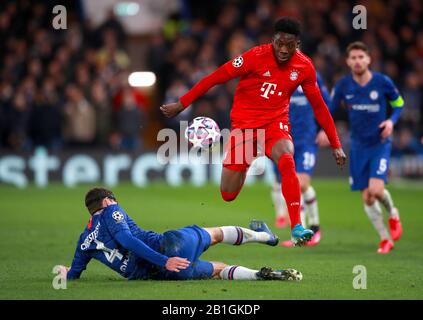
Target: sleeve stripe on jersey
<point x="397" y="103"/>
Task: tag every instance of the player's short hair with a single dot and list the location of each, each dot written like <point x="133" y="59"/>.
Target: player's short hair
<point x="288" y="25"/>
<point x="357" y="45"/>
<point x="95" y="196"/>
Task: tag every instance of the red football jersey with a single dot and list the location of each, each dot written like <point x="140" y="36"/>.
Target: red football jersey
<point x="265" y="88"/>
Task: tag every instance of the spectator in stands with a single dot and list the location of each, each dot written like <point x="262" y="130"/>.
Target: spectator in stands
<point x="18" y="118"/>
<point x="413" y="95"/>
<point x="406" y="144"/>
<point x="79" y="116"/>
<point x="130" y="120"/>
<point x="103" y="113"/>
<point x="46" y="118"/>
<point x="189" y="46"/>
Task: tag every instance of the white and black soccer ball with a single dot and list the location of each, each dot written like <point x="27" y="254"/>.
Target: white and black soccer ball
<point x="295" y="275"/>
<point x="202" y="132"/>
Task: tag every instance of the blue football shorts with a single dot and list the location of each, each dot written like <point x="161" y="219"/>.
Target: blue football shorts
<point x="369" y="162"/>
<point x="304" y="158"/>
<point x="189" y="242"/>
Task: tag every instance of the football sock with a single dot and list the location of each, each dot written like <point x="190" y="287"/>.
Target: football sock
<point x="238" y="273"/>
<point x="388" y="203"/>
<point x="303" y="212"/>
<point x="290" y="188"/>
<point x="278" y="200"/>
<point x="229" y="196"/>
<point x="374" y="212"/>
<point x="238" y="235"/>
<point x="311" y="205"/>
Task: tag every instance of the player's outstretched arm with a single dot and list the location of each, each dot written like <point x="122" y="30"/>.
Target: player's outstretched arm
<point x="339" y="156"/>
<point x="143" y="251"/>
<point x="172" y="109"/>
<point x="322" y="114"/>
<point x="63" y="271"/>
<point x="325" y="120"/>
<point x="79" y="264"/>
<point x="235" y="68"/>
<point x="221" y="75"/>
<point x="119" y="229"/>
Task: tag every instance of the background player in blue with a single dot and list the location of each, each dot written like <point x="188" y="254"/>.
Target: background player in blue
<point x="303" y="130"/>
<point x="114" y="239"/>
<point x="365" y="94"/>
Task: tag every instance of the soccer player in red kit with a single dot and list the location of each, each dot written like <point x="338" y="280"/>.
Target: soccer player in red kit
<point x="269" y="74"/>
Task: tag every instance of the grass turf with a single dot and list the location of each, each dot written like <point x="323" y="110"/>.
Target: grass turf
<point x="39" y="229"/>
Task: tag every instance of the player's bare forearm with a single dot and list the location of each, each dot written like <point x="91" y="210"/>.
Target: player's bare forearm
<point x="340" y="157"/>
<point x="172" y="109"/>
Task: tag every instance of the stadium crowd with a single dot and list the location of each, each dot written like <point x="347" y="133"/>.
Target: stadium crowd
<point x="61" y="89"/>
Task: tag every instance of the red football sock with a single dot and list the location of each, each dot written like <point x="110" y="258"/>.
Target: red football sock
<point x="229" y="196"/>
<point x="290" y="188"/>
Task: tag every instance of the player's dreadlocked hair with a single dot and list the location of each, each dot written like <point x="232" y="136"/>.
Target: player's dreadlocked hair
<point x="94" y="198"/>
<point x="288" y="25"/>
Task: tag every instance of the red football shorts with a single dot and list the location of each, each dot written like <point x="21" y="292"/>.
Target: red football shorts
<point x="245" y="145"/>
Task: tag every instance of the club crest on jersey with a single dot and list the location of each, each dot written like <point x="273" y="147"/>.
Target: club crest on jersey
<point x="294" y="75"/>
<point x="374" y="95"/>
<point x="117" y="216"/>
<point x="237" y="62"/>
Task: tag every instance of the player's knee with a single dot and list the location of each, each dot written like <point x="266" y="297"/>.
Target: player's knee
<point x="229" y="196"/>
<point x="216" y="235"/>
<point x="368" y="199"/>
<point x="375" y="192"/>
<point x="281" y="148"/>
<point x="217" y="268"/>
<point x="282" y="151"/>
<point x="304" y="185"/>
<point x="304" y="181"/>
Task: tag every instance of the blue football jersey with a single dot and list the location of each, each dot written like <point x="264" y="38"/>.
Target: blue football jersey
<point x="97" y="241"/>
<point x="366" y="105"/>
<point x="301" y="116"/>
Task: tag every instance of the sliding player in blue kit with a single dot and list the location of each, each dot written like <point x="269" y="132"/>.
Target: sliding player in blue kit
<point x="114" y="239"/>
<point x="365" y="94"/>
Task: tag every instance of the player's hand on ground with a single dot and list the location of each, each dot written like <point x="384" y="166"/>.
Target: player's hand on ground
<point x="322" y="139"/>
<point x="172" y="109"/>
<point x="176" y="264"/>
<point x="340" y="156"/>
<point x="63" y="270"/>
<point x="387" y="126"/>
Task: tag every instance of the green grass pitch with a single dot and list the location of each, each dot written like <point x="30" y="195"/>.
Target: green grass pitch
<point x="39" y="229"/>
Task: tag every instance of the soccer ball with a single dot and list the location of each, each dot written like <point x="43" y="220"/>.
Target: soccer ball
<point x="295" y="275"/>
<point x="202" y="132"/>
